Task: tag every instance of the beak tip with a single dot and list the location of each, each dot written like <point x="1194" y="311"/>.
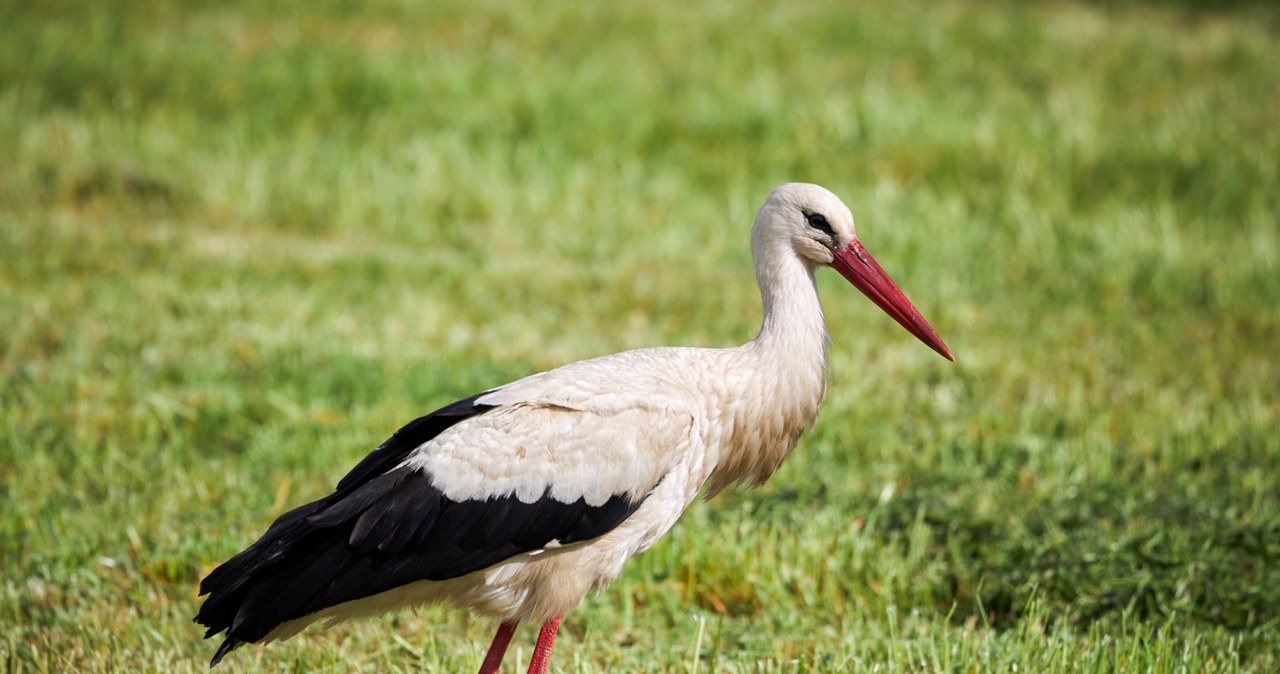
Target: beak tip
<point x="859" y="268"/>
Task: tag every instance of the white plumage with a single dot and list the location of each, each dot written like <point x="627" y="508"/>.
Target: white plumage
<point x="519" y="501"/>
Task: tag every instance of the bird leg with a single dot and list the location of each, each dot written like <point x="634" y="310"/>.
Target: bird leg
<point x="498" y="648"/>
<point x="542" y="651"/>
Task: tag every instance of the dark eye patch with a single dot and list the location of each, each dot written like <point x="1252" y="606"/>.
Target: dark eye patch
<point x="819" y="222"/>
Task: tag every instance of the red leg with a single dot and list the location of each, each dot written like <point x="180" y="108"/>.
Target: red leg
<point x="498" y="648"/>
<point x="542" y="651"/>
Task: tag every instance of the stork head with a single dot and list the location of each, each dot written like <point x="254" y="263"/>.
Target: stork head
<point x="819" y="228"/>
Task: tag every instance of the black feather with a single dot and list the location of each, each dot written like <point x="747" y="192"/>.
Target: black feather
<point x="230" y="644"/>
<point x="410" y="437"/>
<point x="385" y="526"/>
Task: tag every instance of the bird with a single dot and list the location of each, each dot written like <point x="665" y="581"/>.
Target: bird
<point x="518" y="501"/>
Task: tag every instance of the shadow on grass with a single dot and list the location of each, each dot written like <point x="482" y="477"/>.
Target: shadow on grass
<point x="1108" y="555"/>
<point x="1191" y="6"/>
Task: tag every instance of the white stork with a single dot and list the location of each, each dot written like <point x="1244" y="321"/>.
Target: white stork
<point x="518" y="501"/>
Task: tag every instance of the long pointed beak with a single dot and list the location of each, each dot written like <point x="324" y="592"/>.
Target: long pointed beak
<point x="857" y="265"/>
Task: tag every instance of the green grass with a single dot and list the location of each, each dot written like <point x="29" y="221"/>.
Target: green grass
<point x="242" y="243"/>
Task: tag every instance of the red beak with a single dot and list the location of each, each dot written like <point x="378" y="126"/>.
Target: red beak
<point x="857" y="265"/>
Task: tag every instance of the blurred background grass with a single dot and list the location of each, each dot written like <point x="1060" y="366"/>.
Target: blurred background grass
<point x="243" y="242"/>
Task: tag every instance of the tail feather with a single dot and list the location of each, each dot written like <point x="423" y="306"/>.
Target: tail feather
<point x="228" y="645"/>
<point x="258" y="589"/>
<point x="306" y="549"/>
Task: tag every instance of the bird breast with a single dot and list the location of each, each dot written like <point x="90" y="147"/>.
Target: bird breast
<point x="764" y="409"/>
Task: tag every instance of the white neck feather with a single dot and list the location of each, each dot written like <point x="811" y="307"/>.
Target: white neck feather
<point x="788" y="361"/>
<point x="793" y="324"/>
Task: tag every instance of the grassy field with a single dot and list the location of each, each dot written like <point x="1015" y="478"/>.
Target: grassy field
<point x="242" y="242"/>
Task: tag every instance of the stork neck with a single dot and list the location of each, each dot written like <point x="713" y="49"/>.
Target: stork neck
<point x="793" y="326"/>
<point x="781" y="380"/>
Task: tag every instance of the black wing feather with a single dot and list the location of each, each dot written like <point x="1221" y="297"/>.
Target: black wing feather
<point x="385" y="526"/>
<point x="410" y="437"/>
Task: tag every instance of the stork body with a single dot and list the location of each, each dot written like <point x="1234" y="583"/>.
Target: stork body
<point x="517" y="502"/>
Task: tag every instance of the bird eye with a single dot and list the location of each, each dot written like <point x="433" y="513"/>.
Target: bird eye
<point x="819" y="222"/>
